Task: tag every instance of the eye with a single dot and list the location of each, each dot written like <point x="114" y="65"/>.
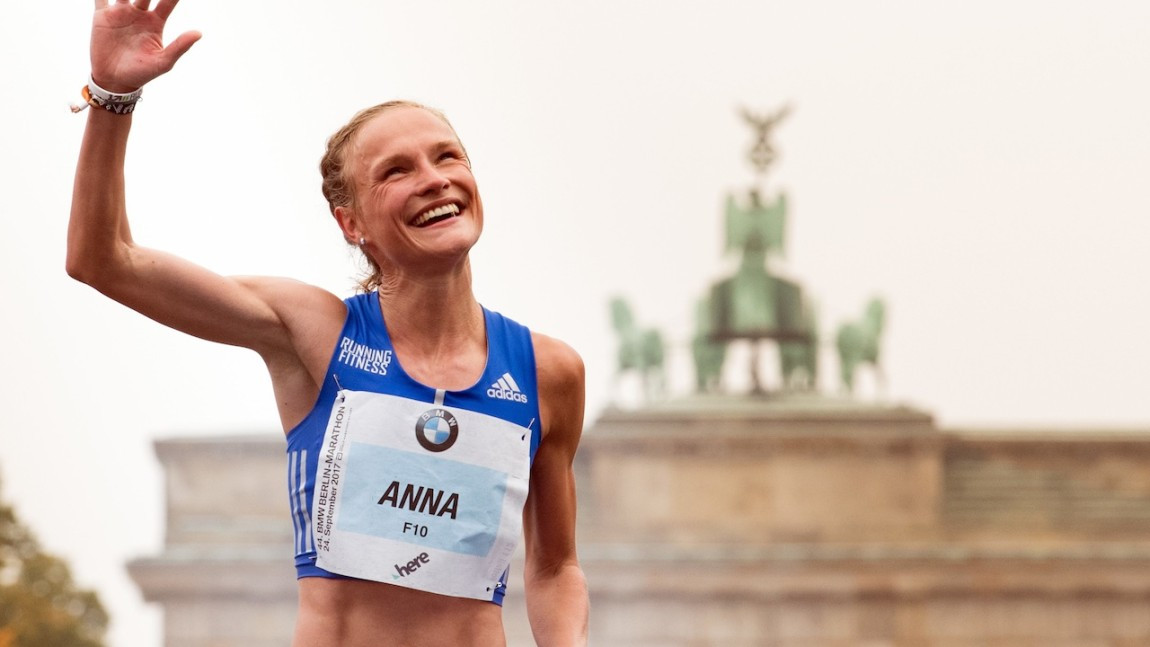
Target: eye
<point x="392" y="172"/>
<point x="449" y="155"/>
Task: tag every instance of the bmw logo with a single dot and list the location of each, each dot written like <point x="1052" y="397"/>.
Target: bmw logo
<point x="436" y="430"/>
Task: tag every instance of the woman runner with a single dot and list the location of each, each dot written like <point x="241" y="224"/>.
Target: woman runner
<point x="425" y="433"/>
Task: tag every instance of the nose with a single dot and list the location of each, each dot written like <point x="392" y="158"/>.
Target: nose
<point x="432" y="179"/>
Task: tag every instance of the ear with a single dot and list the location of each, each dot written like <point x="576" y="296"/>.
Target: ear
<point x="348" y="223"/>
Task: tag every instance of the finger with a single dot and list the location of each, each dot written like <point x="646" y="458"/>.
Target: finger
<point x="179" y="46"/>
<point x="164" y="8"/>
<point x="142" y="5"/>
<point x="101" y="4"/>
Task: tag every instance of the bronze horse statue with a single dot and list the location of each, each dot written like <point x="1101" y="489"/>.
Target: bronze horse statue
<point x="641" y="351"/>
<point x="858" y="344"/>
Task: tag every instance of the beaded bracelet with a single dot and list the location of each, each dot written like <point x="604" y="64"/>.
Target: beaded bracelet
<point x="98" y="97"/>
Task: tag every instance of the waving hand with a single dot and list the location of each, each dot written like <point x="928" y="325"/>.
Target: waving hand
<point x="128" y="43"/>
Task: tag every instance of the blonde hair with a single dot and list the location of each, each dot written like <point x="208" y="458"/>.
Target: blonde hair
<point x="337" y="185"/>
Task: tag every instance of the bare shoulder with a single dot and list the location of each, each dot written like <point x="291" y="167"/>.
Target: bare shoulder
<point x="562" y="384"/>
<point x="557" y="364"/>
<point x="303" y="323"/>
<point x="309" y="314"/>
<point x="287" y="296"/>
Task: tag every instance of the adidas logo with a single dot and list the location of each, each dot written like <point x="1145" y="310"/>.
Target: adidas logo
<point x="505" y="388"/>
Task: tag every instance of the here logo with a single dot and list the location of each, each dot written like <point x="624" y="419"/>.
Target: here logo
<point x="410" y="567"/>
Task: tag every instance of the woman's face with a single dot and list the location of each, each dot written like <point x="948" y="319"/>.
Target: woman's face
<point x="416" y="204"/>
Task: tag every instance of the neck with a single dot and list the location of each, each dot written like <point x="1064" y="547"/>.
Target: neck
<point x="432" y="315"/>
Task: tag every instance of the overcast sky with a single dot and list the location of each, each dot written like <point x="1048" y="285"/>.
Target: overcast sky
<point x="980" y="165"/>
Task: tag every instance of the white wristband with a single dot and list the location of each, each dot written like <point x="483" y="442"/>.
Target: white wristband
<point x="96" y="96"/>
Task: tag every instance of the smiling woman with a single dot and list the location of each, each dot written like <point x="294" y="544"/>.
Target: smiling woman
<point x="338" y="180"/>
<point x="413" y="360"/>
<point x="354" y="165"/>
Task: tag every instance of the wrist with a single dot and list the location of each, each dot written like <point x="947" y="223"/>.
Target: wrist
<point x="122" y="103"/>
<point x="113" y="88"/>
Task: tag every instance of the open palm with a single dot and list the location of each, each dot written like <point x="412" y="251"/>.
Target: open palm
<point x="127" y="43"/>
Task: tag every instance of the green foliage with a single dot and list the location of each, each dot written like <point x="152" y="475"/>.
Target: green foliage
<point x="40" y="606"/>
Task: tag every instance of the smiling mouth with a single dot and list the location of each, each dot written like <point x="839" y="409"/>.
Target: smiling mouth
<point x="435" y="215"/>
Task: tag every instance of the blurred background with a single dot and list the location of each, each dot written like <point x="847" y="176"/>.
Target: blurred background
<point x="981" y="167"/>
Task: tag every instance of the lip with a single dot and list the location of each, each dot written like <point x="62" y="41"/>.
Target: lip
<point x="459" y="204"/>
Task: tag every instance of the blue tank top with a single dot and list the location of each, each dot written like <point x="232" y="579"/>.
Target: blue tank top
<point x="364" y="360"/>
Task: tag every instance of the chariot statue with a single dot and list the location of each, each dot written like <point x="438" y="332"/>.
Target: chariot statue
<point x="755" y="303"/>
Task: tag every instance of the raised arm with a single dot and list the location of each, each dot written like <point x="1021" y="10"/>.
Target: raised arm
<point x="127" y="51"/>
<point x="556" y="590"/>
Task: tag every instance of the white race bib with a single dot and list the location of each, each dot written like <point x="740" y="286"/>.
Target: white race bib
<point x="419" y="495"/>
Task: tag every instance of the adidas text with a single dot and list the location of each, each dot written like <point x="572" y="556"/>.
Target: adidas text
<point x="504" y="394"/>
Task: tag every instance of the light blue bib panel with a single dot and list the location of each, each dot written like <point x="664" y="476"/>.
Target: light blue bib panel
<point x="396" y="482"/>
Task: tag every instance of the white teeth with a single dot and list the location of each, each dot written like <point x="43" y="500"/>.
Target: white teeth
<point x="447" y="209"/>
